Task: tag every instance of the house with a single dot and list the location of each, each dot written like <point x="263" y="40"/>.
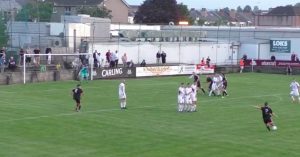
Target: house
<point x="9" y="9"/>
<point x="222" y="17"/>
<point x="131" y="13"/>
<point x="118" y="8"/>
<point x="283" y="16"/>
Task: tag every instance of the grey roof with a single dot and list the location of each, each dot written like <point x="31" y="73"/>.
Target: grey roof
<point x="7" y="5"/>
<point x="75" y="2"/>
<point x="285" y="11"/>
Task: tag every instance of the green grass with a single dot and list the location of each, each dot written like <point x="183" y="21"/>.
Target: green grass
<point x="37" y="120"/>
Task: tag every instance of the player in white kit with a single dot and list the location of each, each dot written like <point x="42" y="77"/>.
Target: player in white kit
<point x="294" y="90"/>
<point x="188" y="99"/>
<point x="122" y="95"/>
<point x="180" y="97"/>
<point x="194" y="97"/>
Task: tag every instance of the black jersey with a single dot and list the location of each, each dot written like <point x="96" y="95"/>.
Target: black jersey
<point x="77" y="93"/>
<point x="266" y="112"/>
<point x="196" y="78"/>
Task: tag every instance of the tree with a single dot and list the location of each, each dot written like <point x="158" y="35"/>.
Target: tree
<point x="3" y="35"/>
<point x="40" y="11"/>
<point x="297" y="5"/>
<point x="184" y="14"/>
<point x="95" y="11"/>
<point x="239" y="9"/>
<point x="226" y="10"/>
<point x="247" y="9"/>
<point x="255" y="9"/>
<point x="157" y="11"/>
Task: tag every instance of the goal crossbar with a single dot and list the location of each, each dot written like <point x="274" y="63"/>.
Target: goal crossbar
<point x="51" y="54"/>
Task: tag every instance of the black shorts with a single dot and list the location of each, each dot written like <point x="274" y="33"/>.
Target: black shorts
<point x="198" y="84"/>
<point x="77" y="100"/>
<point x="225" y="85"/>
<point x="267" y="120"/>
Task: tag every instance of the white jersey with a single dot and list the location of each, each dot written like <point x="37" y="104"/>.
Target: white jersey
<point x="181" y="93"/>
<point x="294" y="88"/>
<point x="194" y="92"/>
<point x="122" y="93"/>
<point x="188" y="94"/>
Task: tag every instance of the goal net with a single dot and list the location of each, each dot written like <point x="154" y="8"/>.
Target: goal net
<point x="42" y="67"/>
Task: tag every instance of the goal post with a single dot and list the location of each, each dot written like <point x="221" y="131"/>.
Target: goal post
<point x="41" y="61"/>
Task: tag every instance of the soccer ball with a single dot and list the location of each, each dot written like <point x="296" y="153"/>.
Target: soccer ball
<point x="274" y="127"/>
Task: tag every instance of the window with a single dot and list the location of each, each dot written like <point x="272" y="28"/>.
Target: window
<point x="54" y="10"/>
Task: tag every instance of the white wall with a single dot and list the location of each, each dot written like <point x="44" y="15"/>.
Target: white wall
<point x="187" y="53"/>
<point x="262" y="50"/>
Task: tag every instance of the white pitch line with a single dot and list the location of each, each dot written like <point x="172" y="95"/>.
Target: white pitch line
<point x="117" y="109"/>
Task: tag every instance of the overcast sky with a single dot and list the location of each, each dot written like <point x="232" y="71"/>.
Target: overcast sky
<point x="232" y="4"/>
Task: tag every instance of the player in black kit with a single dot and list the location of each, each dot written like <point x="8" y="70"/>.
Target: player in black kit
<point x="77" y="93"/>
<point x="267" y="114"/>
<point x="197" y="80"/>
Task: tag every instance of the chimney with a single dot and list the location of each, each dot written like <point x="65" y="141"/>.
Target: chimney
<point x="203" y="12"/>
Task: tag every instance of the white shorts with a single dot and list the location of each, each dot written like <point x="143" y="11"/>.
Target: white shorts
<point x="194" y="97"/>
<point x="294" y="93"/>
<point x="122" y="96"/>
<point x="188" y="100"/>
<point x="180" y="100"/>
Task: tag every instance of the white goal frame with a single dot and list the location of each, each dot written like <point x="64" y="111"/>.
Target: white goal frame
<point x="51" y="54"/>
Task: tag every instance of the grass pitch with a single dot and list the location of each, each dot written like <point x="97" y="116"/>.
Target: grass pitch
<point x="39" y="120"/>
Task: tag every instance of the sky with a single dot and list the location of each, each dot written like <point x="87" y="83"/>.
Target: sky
<point x="232" y="4"/>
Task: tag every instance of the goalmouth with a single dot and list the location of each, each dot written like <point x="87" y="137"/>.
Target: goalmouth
<point x="77" y="60"/>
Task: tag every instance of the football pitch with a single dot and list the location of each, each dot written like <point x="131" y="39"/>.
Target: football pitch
<point x="38" y="120"/>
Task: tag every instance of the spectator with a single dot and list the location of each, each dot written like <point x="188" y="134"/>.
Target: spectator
<point x="288" y="70"/>
<point x="98" y="57"/>
<point x="112" y="60"/>
<point x="124" y="59"/>
<point x="158" y="55"/>
<point x="2" y="51"/>
<point x="143" y="64"/>
<point x="12" y="64"/>
<point x="130" y="64"/>
<point x="273" y="58"/>
<point x="208" y="62"/>
<point x="28" y="58"/>
<point x="2" y="63"/>
<point x="163" y="57"/>
<point x="242" y="64"/>
<point x="95" y="59"/>
<point x="108" y="56"/>
<point x="297" y="58"/>
<point x="21" y="56"/>
<point x="48" y="57"/>
<point x="116" y="58"/>
<point x="202" y="64"/>
<point x="245" y="57"/>
<point x="293" y="57"/>
<point x="36" y="57"/>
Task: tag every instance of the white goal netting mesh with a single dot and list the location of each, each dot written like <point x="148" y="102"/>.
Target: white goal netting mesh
<point x="34" y="64"/>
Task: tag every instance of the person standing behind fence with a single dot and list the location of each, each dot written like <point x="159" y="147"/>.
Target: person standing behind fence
<point x="242" y="64"/>
<point x="158" y="55"/>
<point x="116" y="58"/>
<point x="124" y="60"/>
<point x="108" y="56"/>
<point x="48" y="57"/>
<point x="208" y="62"/>
<point x="36" y="57"/>
<point x="21" y="56"/>
<point x="163" y="57"/>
